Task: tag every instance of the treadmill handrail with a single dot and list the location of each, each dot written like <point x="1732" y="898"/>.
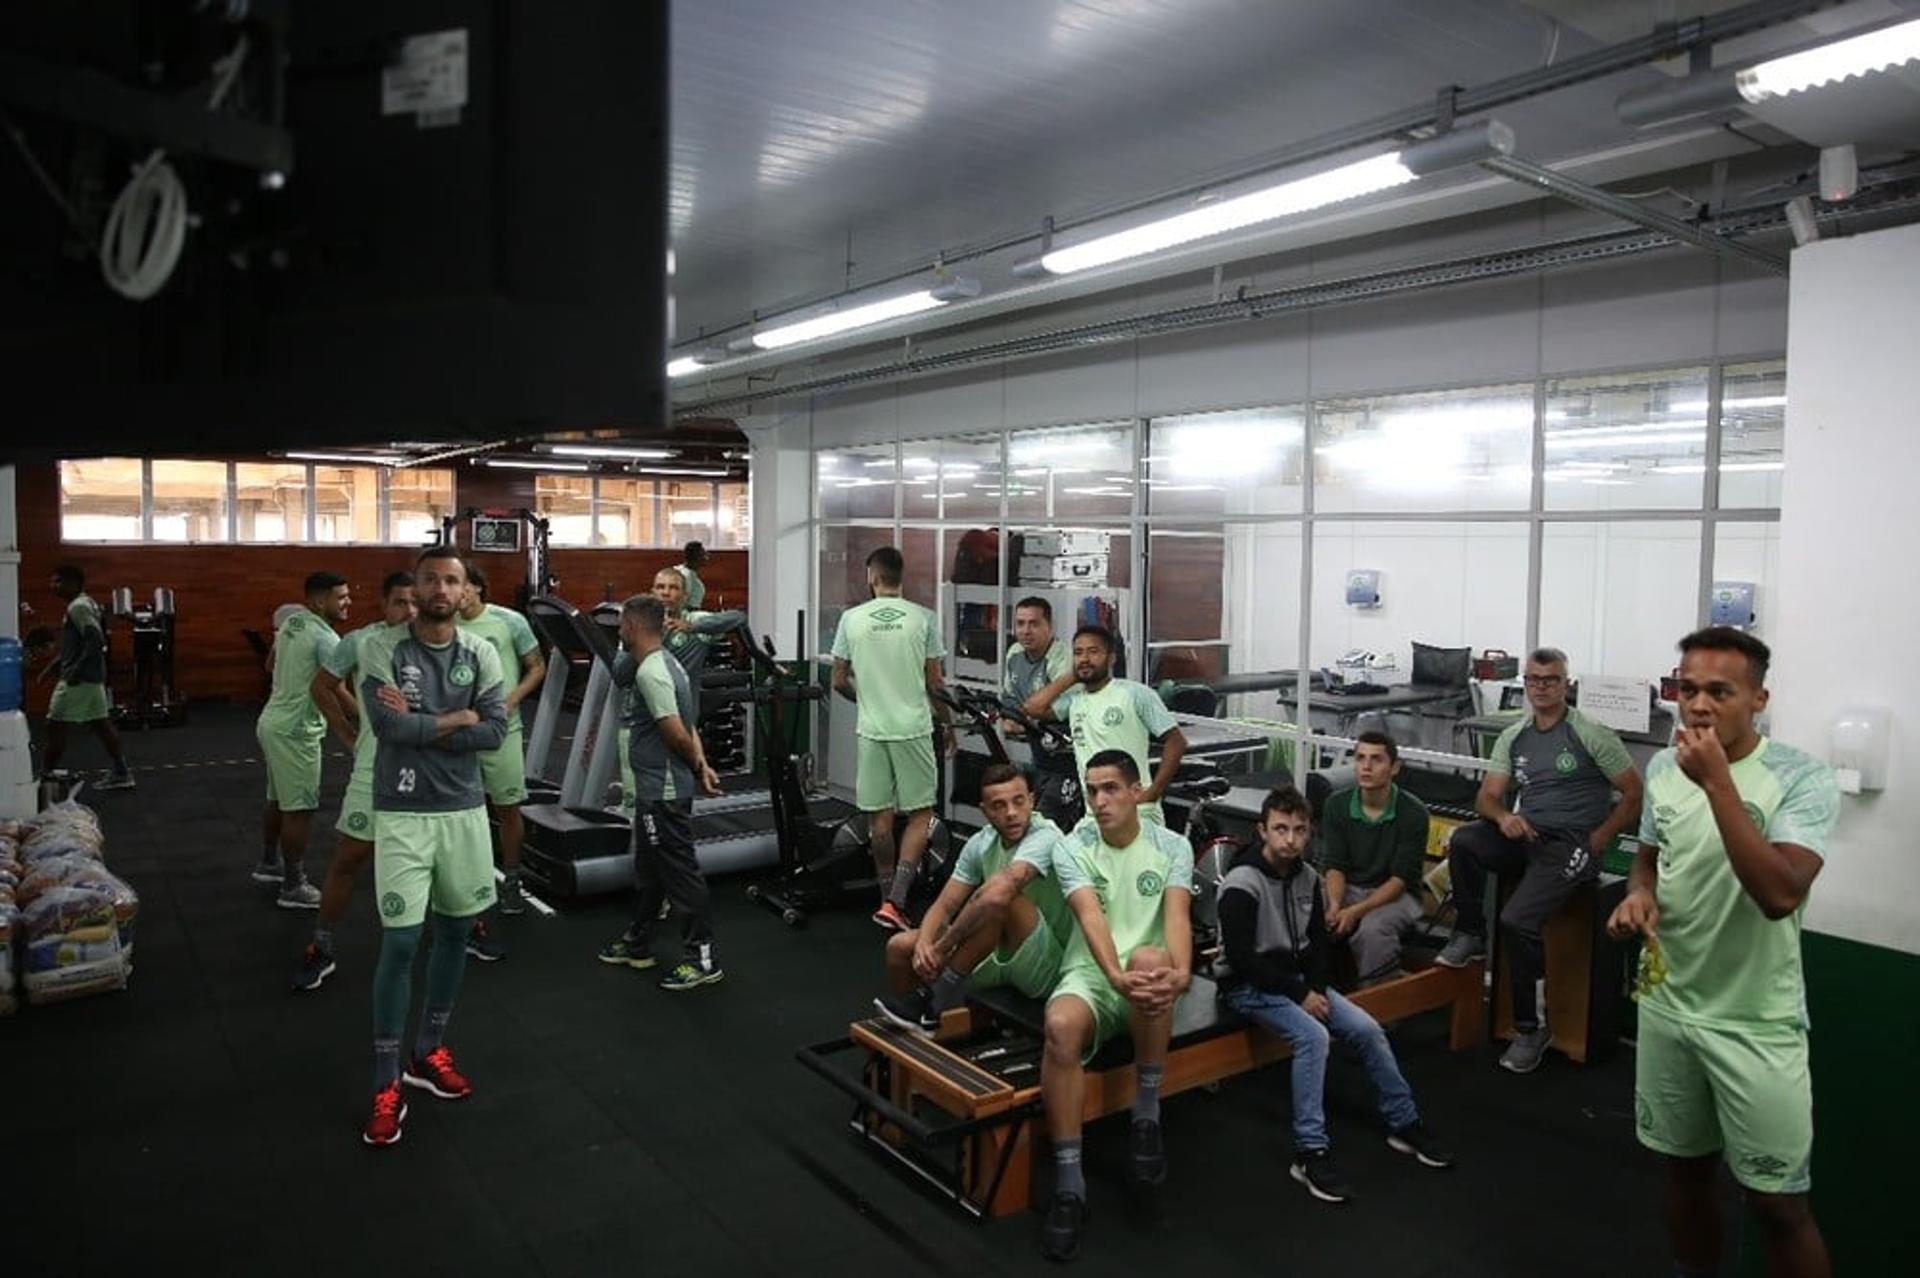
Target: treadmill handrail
<point x="587" y="635"/>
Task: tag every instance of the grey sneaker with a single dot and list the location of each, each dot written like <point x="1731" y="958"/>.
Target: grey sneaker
<point x="298" y="895"/>
<point x="1524" y="1054"/>
<point x="512" y="900"/>
<point x="115" y="781"/>
<point x="268" y="871"/>
<point x="1461" y="949"/>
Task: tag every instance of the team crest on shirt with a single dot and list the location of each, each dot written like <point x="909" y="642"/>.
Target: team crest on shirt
<point x="1113" y="717"/>
<point x="295" y="624"/>
<point x="1566" y="763"/>
<point x="1755" y="815"/>
<point x="358" y="821"/>
<point x="461" y="675"/>
<point x="393" y="905"/>
<point x="1150" y="883"/>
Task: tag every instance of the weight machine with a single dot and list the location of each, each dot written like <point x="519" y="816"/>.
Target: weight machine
<point x="144" y="692"/>
<point x="507" y="530"/>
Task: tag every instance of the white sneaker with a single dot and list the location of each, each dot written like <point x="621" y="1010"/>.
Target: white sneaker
<point x="267" y="872"/>
<point x="298" y="896"/>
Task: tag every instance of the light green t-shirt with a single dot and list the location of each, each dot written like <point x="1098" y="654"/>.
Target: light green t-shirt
<point x="1727" y="963"/>
<point x="1124" y="715"/>
<point x="696" y="589"/>
<point x="889" y="641"/>
<point x="512" y="638"/>
<point x="1026" y="676"/>
<point x="341" y="663"/>
<point x="1131" y="883"/>
<point x="300" y="647"/>
<point x="986" y="854"/>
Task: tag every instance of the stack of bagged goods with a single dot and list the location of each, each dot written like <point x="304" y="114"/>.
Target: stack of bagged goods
<point x="11" y="872"/>
<point x="1065" y="558"/>
<point x="76" y="916"/>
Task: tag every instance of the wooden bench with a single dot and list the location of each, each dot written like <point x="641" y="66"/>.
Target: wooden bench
<point x="1585" y="973"/>
<point x="962" y="1110"/>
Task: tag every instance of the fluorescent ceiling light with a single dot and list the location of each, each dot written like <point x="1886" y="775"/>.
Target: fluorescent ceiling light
<point x="678" y="471"/>
<point x="853" y="317"/>
<point x="372" y="459"/>
<point x="498" y="464"/>
<point x="682" y="366"/>
<point x="609" y="450"/>
<point x="1699" y="468"/>
<point x="1301" y="195"/>
<point x="1609" y="439"/>
<point x="1878" y="50"/>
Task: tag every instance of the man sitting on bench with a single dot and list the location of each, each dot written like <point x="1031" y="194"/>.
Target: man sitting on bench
<point x="1376" y="845"/>
<point x="1000" y="920"/>
<point x="1274" y="931"/>
<point x="1130" y="885"/>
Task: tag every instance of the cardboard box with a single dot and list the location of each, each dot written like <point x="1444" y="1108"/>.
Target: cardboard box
<point x="1063" y="570"/>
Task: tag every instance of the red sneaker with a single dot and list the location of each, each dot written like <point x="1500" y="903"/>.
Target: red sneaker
<point x="389" y="1111"/>
<point x="436" y="1074"/>
<point x="889" y="917"/>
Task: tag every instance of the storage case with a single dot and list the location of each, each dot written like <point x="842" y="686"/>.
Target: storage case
<point x="1066" y="541"/>
<point x="1051" y="570"/>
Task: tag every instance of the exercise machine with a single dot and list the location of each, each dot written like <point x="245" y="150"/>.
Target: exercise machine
<point x="506" y="531"/>
<point x="826" y="852"/>
<point x="146" y="697"/>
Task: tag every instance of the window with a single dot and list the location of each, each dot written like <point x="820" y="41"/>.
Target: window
<point x="843" y="573"/>
<point x="1615" y="597"/>
<point x="624" y="513"/>
<point x="567" y="503"/>
<point x="1248" y="462"/>
<point x="100" y="499"/>
<point x="1629" y="441"/>
<point x="1452" y="585"/>
<point x="736" y="518"/>
<point x="269" y="501"/>
<point x="857" y="483"/>
<point x="189" y="501"/>
<point x="1753" y="434"/>
<point x="1431" y="451"/>
<point x="417" y="503"/>
<point x="687" y="511"/>
<point x="1225" y="599"/>
<point x="963" y="483"/>
<point x="346" y="504"/>
<point x="1083" y="472"/>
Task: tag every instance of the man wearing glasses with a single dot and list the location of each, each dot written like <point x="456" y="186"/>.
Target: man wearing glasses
<point x="1568" y="769"/>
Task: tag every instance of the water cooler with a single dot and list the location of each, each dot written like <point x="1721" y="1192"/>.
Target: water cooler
<point x="18" y="799"/>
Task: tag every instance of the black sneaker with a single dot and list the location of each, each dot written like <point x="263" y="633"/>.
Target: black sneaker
<point x="912" y="1010"/>
<point x="511" y="899"/>
<point x="1066" y="1220"/>
<point x="691" y="974"/>
<point x="1314" y="1168"/>
<point x="1147" y="1154"/>
<point x="1415" y="1139"/>
<point x="316" y="965"/>
<point x="483" y="945"/>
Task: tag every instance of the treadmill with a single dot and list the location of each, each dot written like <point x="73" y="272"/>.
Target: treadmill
<point x="581" y="845"/>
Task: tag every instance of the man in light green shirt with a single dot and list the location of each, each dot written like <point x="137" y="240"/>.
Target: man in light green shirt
<point x="1129" y="884"/>
<point x="290" y="730"/>
<point x="1106" y="713"/>
<point x="691" y="633"/>
<point x="504" y="771"/>
<point x="886" y="656"/>
<point x="1734" y="831"/>
<point x="689" y="571"/>
<point x="1038" y="657"/>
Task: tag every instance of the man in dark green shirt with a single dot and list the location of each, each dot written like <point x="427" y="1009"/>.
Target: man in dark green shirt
<point x="1375" y="840"/>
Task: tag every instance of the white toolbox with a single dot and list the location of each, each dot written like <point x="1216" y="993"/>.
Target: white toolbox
<point x="1056" y="570"/>
<point x="1066" y="541"/>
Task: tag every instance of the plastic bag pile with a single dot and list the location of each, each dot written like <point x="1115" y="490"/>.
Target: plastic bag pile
<point x="66" y="921"/>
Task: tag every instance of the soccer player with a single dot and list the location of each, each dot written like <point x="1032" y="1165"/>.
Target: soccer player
<point x="505" y="770"/>
<point x="81" y="695"/>
<point x="437" y="701"/>
<point x="290" y="730"/>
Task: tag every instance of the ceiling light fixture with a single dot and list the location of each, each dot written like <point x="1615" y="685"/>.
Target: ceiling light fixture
<point x="1881" y="49"/>
<point x="696" y="361"/>
<point x="835" y="322"/>
<point x="1348" y="182"/>
<point x="678" y="472"/>
<point x="610" y="450"/>
<point x="373" y="459"/>
<point x="497" y="463"/>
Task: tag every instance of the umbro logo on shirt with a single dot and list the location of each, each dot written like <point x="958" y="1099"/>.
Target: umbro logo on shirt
<point x="887" y="616"/>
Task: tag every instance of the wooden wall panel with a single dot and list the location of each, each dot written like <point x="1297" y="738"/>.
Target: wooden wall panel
<point x="224" y="590"/>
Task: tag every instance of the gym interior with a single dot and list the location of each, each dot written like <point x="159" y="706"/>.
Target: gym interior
<point x="1335" y="371"/>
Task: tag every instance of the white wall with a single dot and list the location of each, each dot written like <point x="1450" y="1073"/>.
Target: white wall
<point x="1848" y="523"/>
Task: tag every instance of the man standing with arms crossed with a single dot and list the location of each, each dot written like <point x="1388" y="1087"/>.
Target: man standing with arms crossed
<point x="886" y="656"/>
<point x="504" y="771"/>
<point x="290" y="732"/>
<point x="81" y="695"/>
<point x="1037" y="659"/>
<point x="667" y="762"/>
<point x="437" y="701"/>
<point x="690" y="632"/>
<point x="332" y="689"/>
<point x="1106" y="713"/>
<point x="1734" y="832"/>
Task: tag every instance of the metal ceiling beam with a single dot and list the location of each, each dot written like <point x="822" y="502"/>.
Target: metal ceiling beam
<point x="1599" y="200"/>
<point x="1664" y="41"/>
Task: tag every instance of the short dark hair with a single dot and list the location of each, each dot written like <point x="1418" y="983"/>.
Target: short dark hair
<point x="1001" y="773"/>
<point x="1116" y="759"/>
<point x="71" y="575"/>
<point x="476" y="575"/>
<point x="1035" y="601"/>
<point x="693" y="548"/>
<point x="1381" y="739"/>
<point x="319" y="583"/>
<point x="648" y="611"/>
<point x="393" y="581"/>
<point x="1104" y="635"/>
<point x="1728" y="639"/>
<point x="441" y="552"/>
<point x="39" y="637"/>
<point x="888" y="565"/>
<point x="1287" y="801"/>
<point x="1547" y="657"/>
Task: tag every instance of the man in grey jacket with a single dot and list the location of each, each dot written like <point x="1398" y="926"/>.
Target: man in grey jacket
<point x="1273" y="928"/>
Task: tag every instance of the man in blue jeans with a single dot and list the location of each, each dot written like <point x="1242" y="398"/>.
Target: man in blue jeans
<point x="1273" y="927"/>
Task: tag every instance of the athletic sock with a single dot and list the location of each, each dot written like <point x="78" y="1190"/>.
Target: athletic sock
<point x="1068" y="1176"/>
<point x="433" y="1031"/>
<point x="446" y="963"/>
<point x="323" y="938"/>
<point x="1146" y="1093"/>
<point x="903" y="876"/>
<point x="386" y="1062"/>
<point x="948" y="988"/>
